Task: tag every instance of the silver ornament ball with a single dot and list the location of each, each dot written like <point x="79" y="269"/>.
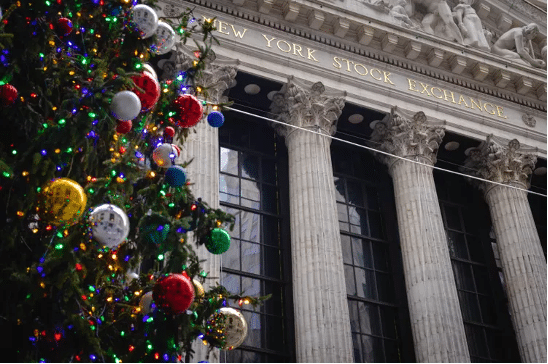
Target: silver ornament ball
<point x="109" y="225"/>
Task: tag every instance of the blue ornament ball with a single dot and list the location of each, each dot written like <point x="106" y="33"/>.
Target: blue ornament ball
<point x="215" y="119"/>
<point x="175" y="176"/>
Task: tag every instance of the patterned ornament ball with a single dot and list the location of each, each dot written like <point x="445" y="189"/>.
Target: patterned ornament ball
<point x="145" y="20"/>
<point x="125" y="105"/>
<point x="199" y="291"/>
<point x="169" y="132"/>
<point x="173" y="293"/>
<point x="218" y="241"/>
<point x="216" y="119"/>
<point x="109" y="225"/>
<point x="165" y="154"/>
<point x="146" y="303"/>
<point x="188" y="111"/>
<point x="175" y="176"/>
<point x="62" y="201"/>
<point x="8" y="94"/>
<point x="64" y="25"/>
<point x="124" y="126"/>
<point x="165" y="38"/>
<point x="232" y="325"/>
<point x="151" y="90"/>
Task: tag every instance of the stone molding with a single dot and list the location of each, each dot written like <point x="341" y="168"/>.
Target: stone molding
<point x="500" y="161"/>
<point x="407" y="136"/>
<point x="307" y="106"/>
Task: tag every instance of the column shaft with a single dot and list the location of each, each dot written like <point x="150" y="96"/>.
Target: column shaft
<point x="321" y="308"/>
<point x="436" y="319"/>
<point x="524" y="268"/>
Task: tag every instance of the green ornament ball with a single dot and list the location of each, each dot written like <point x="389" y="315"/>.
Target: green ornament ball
<point x="218" y="241"/>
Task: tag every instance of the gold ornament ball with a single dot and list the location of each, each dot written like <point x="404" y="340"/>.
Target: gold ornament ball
<point x="198" y="289"/>
<point x="63" y="201"/>
<point x="232" y="325"/>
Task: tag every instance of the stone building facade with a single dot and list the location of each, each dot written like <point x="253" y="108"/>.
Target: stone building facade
<point x="386" y="162"/>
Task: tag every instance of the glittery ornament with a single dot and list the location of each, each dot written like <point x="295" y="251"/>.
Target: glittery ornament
<point x="124" y="126"/>
<point x="62" y="201"/>
<point x="175" y="176"/>
<point x="228" y="325"/>
<point x="173" y="293"/>
<point x="198" y="289"/>
<point x="188" y="111"/>
<point x="125" y="105"/>
<point x="109" y="225"/>
<point x="151" y="90"/>
<point x="218" y="241"/>
<point x="8" y="94"/>
<point x="169" y="131"/>
<point x="215" y="119"/>
<point x="64" y="25"/>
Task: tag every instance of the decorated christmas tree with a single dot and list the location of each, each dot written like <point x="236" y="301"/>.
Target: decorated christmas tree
<point x="97" y="218"/>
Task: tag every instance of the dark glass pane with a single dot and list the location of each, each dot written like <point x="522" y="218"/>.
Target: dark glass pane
<point x="475" y="249"/>
<point x="452" y="217"/>
<point x="268" y="171"/>
<point x="355" y="193"/>
<point x="365" y="283"/>
<point x="388" y="322"/>
<point x="476" y="341"/>
<point x="354" y="316"/>
<point x="488" y="311"/>
<point x="274" y="333"/>
<point x="385" y="287"/>
<point x="346" y="249"/>
<point x="349" y="279"/>
<point x="270" y="231"/>
<point x="231" y="282"/>
<point x="250" y="166"/>
<point x="251" y="258"/>
<point x="235" y="233"/>
<point x="463" y="276"/>
<point x="373" y="351"/>
<point x="251" y="226"/>
<point x="231" y="259"/>
<point x="251" y="286"/>
<point x="341" y="161"/>
<point x="471" y="221"/>
<point x="273" y="306"/>
<point x="469" y="306"/>
<point x="481" y="276"/>
<point x="380" y="255"/>
<point x="254" y="326"/>
<point x="232" y="356"/>
<point x="229" y="189"/>
<point x="342" y="211"/>
<point x="358" y="252"/>
<point x="375" y="225"/>
<point x="251" y="357"/>
<point x="392" y="351"/>
<point x="358" y="220"/>
<point x="250" y="190"/>
<point x="229" y="161"/>
<point x="372" y="198"/>
<point x="269" y="199"/>
<point x="357" y="346"/>
<point x="250" y="203"/>
<point x="271" y="262"/>
<point x="339" y="189"/>
<point x="369" y="318"/>
<point x="457" y="246"/>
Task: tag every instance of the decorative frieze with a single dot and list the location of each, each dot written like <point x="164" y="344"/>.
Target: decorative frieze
<point x="365" y="34"/>
<point x="315" y="19"/>
<point x="412" y="50"/>
<point x="340" y="27"/>
<point x="458" y="64"/>
<point x="291" y="10"/>
<point x="265" y="6"/>
<point x="435" y="57"/>
<point x="480" y="71"/>
<point x="389" y="42"/>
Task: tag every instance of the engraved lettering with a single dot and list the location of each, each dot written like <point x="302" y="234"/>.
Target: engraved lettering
<point x="386" y="78"/>
<point x="500" y="112"/>
<point x="238" y="34"/>
<point x="377" y="70"/>
<point x="358" y="72"/>
<point x="412" y="85"/>
<point x="433" y="94"/>
<point x="222" y="27"/>
<point x="461" y="100"/>
<point x="297" y="49"/>
<point x="452" y="96"/>
<point x="425" y="89"/>
<point x="477" y="104"/>
<point x="338" y="64"/>
<point x="492" y="111"/>
<point x="310" y="55"/>
<point x="280" y="48"/>
<point x="268" y="40"/>
<point x="347" y="64"/>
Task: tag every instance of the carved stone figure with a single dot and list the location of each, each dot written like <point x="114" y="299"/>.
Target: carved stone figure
<point x="470" y="26"/>
<point x="439" y="10"/>
<point x="529" y="119"/>
<point x="400" y="16"/>
<point x="512" y="45"/>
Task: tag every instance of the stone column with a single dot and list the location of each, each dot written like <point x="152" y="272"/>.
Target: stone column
<point x="522" y="259"/>
<point x="321" y="310"/>
<point x="437" y="326"/>
<point x="202" y="145"/>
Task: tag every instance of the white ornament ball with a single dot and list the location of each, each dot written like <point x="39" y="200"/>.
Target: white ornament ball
<point x="109" y="225"/>
<point x="165" y="154"/>
<point x="148" y="68"/>
<point x="146" y="302"/>
<point x="146" y="20"/>
<point x="165" y="38"/>
<point x="234" y="327"/>
<point x="125" y="105"/>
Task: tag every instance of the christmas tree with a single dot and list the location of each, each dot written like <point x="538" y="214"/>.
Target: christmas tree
<point x="98" y="220"/>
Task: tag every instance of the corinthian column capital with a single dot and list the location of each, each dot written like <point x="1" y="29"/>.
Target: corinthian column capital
<point x="307" y="107"/>
<point x="406" y="136"/>
<point x="498" y="161"/>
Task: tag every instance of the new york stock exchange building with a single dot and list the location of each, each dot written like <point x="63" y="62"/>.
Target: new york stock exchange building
<point x="386" y="164"/>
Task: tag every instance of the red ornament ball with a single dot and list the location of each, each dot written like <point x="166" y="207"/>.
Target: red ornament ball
<point x="151" y="88"/>
<point x="124" y="126"/>
<point x="188" y="111"/>
<point x="169" y="132"/>
<point x="8" y="94"/>
<point x="64" y="25"/>
<point x="174" y="293"/>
